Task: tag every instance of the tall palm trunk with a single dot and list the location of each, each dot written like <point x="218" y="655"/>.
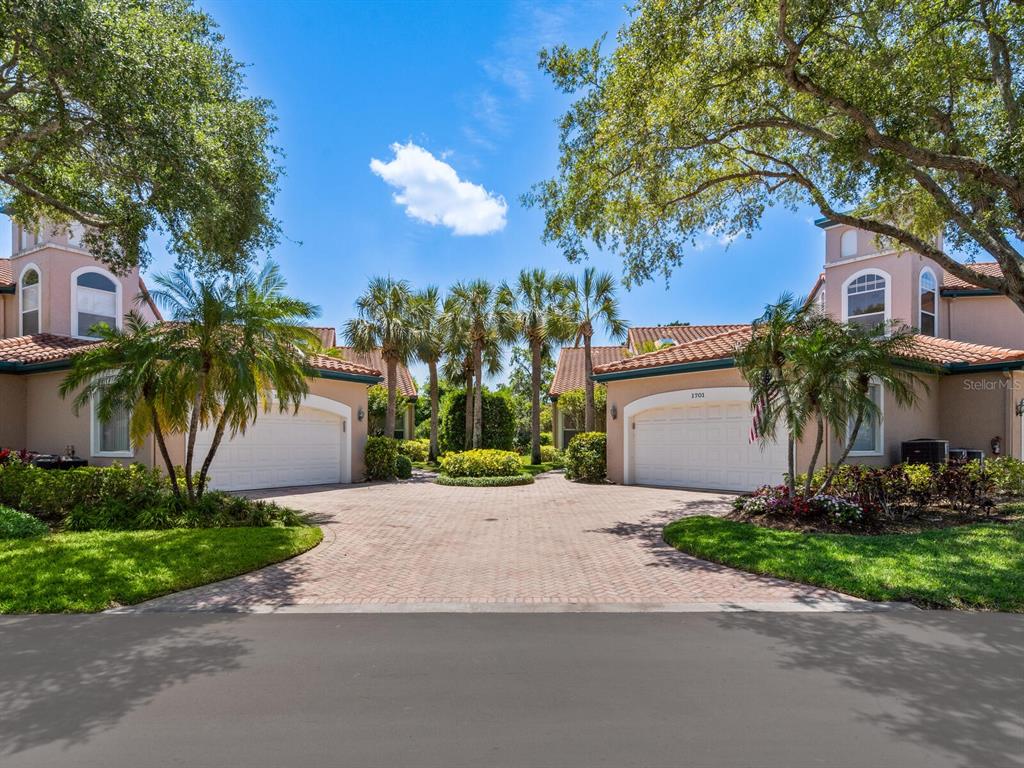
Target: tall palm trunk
<point x="467" y="437"/>
<point x="535" y="402"/>
<point x="819" y="439"/>
<point x="831" y="474"/>
<point x="389" y="418"/>
<point x="218" y="435"/>
<point x="588" y="414"/>
<point x="158" y="434"/>
<point x="432" y="365"/>
<point x="193" y="428"/>
<point x="787" y="404"/>
<point x="478" y="396"/>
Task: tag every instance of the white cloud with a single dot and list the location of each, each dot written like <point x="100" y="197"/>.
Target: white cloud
<point x="432" y="191"/>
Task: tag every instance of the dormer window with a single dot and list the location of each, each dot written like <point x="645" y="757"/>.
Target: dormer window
<point x="848" y="244"/>
<point x="866" y="300"/>
<point x="95" y="299"/>
<point x="928" y="317"/>
<point x="29" y="288"/>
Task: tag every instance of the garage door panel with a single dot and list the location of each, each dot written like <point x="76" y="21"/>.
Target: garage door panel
<point x="703" y="446"/>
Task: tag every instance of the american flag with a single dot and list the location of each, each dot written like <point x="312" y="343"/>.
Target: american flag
<point x="755" y="421"/>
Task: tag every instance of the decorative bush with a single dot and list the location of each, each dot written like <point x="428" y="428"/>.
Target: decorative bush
<point x="484" y="482"/>
<point x="585" y="457"/>
<point x="1007" y="475"/>
<point x="116" y="494"/>
<point x="499" y="427"/>
<point x="775" y="501"/>
<point x="415" y="450"/>
<point x="380" y="456"/>
<point x="547" y="438"/>
<point x="551" y="455"/>
<point x="403" y="467"/>
<point x="485" y="462"/>
<point x="19" y="525"/>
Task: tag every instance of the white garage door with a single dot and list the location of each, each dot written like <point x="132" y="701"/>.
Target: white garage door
<point x="278" y="450"/>
<point x="703" y="446"/>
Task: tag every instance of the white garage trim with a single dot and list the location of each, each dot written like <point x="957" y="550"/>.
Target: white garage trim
<point x="664" y="400"/>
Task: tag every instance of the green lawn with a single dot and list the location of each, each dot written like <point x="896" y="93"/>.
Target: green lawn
<point x="85" y="572"/>
<point x="979" y="566"/>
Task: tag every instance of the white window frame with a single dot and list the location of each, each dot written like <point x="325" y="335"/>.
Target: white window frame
<point x="879" y="449"/>
<point x="847" y="236"/>
<point x="94" y="434"/>
<point x="920" y="293"/>
<point x="21" y="303"/>
<point x="888" y="292"/>
<point x="118" y="306"/>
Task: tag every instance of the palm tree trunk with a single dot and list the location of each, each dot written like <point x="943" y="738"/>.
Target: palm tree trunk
<point x="478" y="395"/>
<point x="830" y="476"/>
<point x="193" y="428"/>
<point x="389" y="417"/>
<point x="467" y="436"/>
<point x="222" y="422"/>
<point x="588" y="413"/>
<point x="818" y="441"/>
<point x="434" y="408"/>
<point x="158" y="434"/>
<point x="535" y="403"/>
<point x="787" y="404"/>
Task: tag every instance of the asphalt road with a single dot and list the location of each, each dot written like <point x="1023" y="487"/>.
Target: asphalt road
<point x="886" y="689"/>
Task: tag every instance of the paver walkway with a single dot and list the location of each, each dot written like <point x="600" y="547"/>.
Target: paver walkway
<point x="555" y="544"/>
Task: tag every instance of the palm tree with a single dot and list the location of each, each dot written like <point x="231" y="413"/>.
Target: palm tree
<point x="486" y="322"/>
<point x="386" y="321"/>
<point x="234" y="344"/>
<point x="128" y="371"/>
<point x="430" y="343"/>
<point x="592" y="301"/>
<point x="458" y="365"/>
<point x="535" y="305"/>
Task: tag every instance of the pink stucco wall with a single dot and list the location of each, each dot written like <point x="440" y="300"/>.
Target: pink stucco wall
<point x="991" y="320"/>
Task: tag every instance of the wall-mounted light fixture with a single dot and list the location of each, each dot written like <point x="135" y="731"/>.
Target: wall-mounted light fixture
<point x="360" y="414"/>
<point x="615" y="412"/>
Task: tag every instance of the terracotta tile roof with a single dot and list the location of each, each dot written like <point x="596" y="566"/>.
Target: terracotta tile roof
<point x="327" y="335"/>
<point x="373" y="360"/>
<point x="6" y="273"/>
<point x="682" y="334"/>
<point x="723" y="346"/>
<point x="328" y="363"/>
<point x="40" y="348"/>
<point x="570" y="373"/>
<point x="954" y="283"/>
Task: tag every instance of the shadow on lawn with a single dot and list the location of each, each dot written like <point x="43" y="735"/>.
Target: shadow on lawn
<point x="942" y="680"/>
<point x="65" y="678"/>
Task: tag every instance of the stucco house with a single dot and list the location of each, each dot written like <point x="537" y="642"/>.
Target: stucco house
<point x="52" y="291"/>
<point x="680" y="416"/>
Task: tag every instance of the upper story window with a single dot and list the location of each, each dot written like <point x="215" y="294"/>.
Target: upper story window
<point x="867" y="300"/>
<point x="29" y="288"/>
<point x="928" y="320"/>
<point x="95" y="298"/>
<point x="848" y="244"/>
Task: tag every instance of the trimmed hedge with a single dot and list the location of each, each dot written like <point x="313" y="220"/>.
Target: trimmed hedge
<point x="416" y="450"/>
<point x="484" y="482"/>
<point x="499" y="425"/>
<point x="482" y="463"/>
<point x="403" y="467"/>
<point x="19" y="525"/>
<point x="585" y="458"/>
<point x="380" y="456"/>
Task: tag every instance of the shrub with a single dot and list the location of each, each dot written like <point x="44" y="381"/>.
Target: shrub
<point x="499" y="427"/>
<point x="775" y="501"/>
<point x="573" y="406"/>
<point x="403" y="467"/>
<point x="967" y="487"/>
<point x="19" y="525"/>
<point x="485" y="462"/>
<point x="377" y="409"/>
<point x="1007" y="475"/>
<point x="14" y="475"/>
<point x="585" y="457"/>
<point x="547" y="438"/>
<point x="380" y="457"/>
<point x="112" y="496"/>
<point x="416" y="450"/>
<point x="484" y="482"/>
<point x="551" y="455"/>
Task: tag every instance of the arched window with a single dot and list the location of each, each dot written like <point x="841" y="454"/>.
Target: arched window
<point x="95" y="298"/>
<point x="928" y="313"/>
<point x="867" y="300"/>
<point x="29" y="288"/>
<point x="848" y="244"/>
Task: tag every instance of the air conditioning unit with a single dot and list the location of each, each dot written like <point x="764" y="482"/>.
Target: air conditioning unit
<point x="925" y="451"/>
<point x="964" y="455"/>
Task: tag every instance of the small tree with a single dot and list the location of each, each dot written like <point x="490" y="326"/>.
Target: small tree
<point x="430" y="341"/>
<point x="573" y="406"/>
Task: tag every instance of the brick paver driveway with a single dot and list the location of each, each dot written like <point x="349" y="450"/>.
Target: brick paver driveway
<point x="420" y="546"/>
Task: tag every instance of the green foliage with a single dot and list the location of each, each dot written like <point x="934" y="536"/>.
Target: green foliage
<point x="415" y="450"/>
<point x="585" y="457"/>
<point x="966" y="567"/>
<point x="380" y="456"/>
<point x="484" y="462"/>
<point x="131" y="117"/>
<point x="1007" y="475"/>
<point x="485" y="482"/>
<point x="573" y="406"/>
<point x="546" y="438"/>
<point x="403" y="467"/>
<point x="377" y="409"/>
<point x="901" y="119"/>
<point x="498" y="422"/>
<point x="20" y="525"/>
<point x="84" y="572"/>
<point x="551" y="455"/>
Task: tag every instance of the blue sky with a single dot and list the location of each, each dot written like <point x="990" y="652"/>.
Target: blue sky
<point x="459" y="82"/>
